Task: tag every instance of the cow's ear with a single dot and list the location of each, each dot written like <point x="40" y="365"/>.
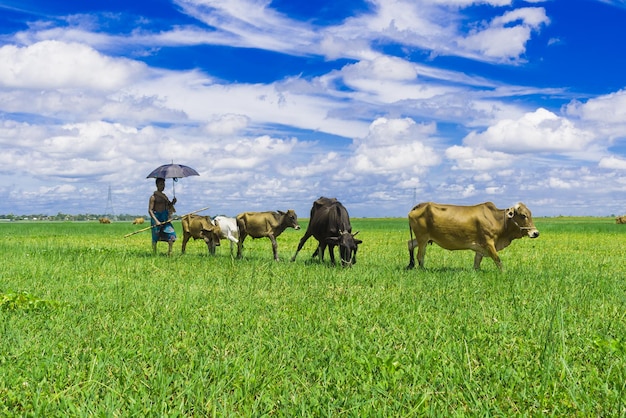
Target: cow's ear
<point x="358" y="241"/>
<point x="281" y="212"/>
<point x="510" y="212"/>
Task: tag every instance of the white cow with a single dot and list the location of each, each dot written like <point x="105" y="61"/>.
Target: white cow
<point x="229" y="230"/>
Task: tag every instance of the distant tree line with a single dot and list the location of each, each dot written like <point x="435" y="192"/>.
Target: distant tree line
<point x="67" y="217"/>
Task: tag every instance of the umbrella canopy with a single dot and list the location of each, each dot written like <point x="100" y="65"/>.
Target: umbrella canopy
<point x="172" y="171"/>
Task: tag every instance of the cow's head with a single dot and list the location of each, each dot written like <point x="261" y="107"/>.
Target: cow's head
<point x="348" y="246"/>
<point x="520" y="216"/>
<point x="290" y="219"/>
<point x="211" y="235"/>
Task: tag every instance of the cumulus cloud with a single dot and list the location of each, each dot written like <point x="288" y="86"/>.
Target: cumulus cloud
<point x="59" y="65"/>
<point x="395" y="145"/>
<point x="250" y="153"/>
<point x="610" y="108"/>
<point x="505" y="37"/>
<point x="613" y="163"/>
<point x="538" y="131"/>
<point x="605" y="114"/>
<point x="78" y="150"/>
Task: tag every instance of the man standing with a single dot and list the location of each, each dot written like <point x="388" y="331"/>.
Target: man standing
<point x="160" y="209"/>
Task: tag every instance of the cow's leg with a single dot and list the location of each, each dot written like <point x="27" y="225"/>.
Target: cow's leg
<point x="232" y="238"/>
<point x="477" y="259"/>
<point x="242" y="236"/>
<point x="210" y="246"/>
<point x="411" y="244"/>
<point x="421" y="252"/>
<point x="170" y="244"/>
<point x="274" y="246"/>
<point x="306" y="236"/>
<point x="493" y="253"/>
<point x="321" y="248"/>
<point x="186" y="237"/>
<point x="331" y="252"/>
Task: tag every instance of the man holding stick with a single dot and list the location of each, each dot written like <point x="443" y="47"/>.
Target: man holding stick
<point x="160" y="209"/>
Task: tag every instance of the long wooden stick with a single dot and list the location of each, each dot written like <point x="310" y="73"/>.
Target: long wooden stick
<point x="169" y="220"/>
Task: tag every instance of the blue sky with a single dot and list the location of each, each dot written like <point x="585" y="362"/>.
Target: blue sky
<point x="380" y="103"/>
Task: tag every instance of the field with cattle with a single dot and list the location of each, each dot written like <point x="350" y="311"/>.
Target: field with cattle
<point x="92" y="323"/>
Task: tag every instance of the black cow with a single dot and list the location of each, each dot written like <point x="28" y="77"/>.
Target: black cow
<point x="330" y="225"/>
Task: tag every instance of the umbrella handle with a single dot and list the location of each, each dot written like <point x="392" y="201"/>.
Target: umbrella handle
<point x="174" y="181"/>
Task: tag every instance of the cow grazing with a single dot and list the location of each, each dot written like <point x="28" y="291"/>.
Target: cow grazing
<point x="620" y="220"/>
<point x="229" y="230"/>
<point x="265" y="224"/>
<point x="104" y="220"/>
<point x="200" y="227"/>
<point x="138" y="221"/>
<point x="482" y="228"/>
<point x="330" y="225"/>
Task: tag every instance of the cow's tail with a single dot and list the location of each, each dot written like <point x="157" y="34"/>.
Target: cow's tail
<point x="410" y="234"/>
<point x="410" y="248"/>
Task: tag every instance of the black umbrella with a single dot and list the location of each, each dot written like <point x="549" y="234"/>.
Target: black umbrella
<point x="172" y="171"/>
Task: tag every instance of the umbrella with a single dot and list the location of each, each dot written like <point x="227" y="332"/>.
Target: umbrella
<point x="172" y="171"/>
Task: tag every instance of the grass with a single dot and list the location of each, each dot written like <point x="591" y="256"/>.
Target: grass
<point x="107" y="328"/>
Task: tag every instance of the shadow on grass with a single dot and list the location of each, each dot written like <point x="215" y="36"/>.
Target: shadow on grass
<point x="442" y="270"/>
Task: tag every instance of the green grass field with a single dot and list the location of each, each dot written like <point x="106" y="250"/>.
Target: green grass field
<point x="92" y="323"/>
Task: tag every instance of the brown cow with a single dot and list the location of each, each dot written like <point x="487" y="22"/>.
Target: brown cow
<point x="138" y="221"/>
<point x="200" y="227"/>
<point x="482" y="228"/>
<point x="265" y="224"/>
<point x="104" y="220"/>
<point x="620" y="220"/>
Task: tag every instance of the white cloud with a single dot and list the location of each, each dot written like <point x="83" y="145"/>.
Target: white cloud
<point x="284" y="103"/>
<point x="467" y="158"/>
<point x="59" y="65"/>
<point x="610" y="108"/>
<point x="613" y="163"/>
<point x="426" y="24"/>
<point x="539" y="131"/>
<point x="227" y="125"/>
<point x="503" y="39"/>
<point x="605" y="114"/>
<point x="251" y="23"/>
<point x="395" y="145"/>
<point x="387" y="80"/>
<point x="250" y="153"/>
<point x="465" y="3"/>
<point x="498" y="42"/>
<point x="385" y="68"/>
